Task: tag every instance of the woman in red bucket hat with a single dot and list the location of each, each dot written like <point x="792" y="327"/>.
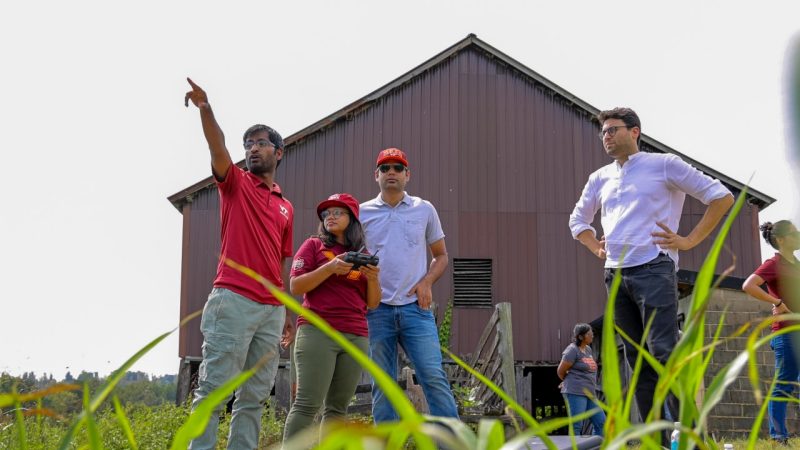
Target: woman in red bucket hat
<point x="326" y="375"/>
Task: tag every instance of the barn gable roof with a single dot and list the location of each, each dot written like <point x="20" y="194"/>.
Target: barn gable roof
<point x="470" y="42"/>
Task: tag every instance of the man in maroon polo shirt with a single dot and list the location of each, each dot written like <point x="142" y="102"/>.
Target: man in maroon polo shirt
<point x="242" y="321"/>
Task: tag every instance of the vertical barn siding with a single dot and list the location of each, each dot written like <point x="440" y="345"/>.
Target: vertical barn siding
<point x="503" y="159"/>
<point x="200" y="263"/>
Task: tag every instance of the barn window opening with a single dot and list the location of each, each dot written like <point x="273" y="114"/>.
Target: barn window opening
<point x="472" y="283"/>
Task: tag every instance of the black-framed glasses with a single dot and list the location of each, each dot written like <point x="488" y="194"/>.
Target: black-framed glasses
<point x="397" y="167"/>
<point x="611" y="131"/>
<point x="261" y="143"/>
<point x="336" y="213"/>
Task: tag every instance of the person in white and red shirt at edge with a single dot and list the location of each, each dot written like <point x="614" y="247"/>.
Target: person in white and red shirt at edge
<point x="327" y="376"/>
<point x="242" y="321"/>
<point x="781" y="274"/>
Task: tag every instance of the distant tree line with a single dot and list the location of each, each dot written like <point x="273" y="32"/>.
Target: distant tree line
<point x="136" y="388"/>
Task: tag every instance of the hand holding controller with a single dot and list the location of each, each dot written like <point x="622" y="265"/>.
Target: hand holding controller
<point x="359" y="259"/>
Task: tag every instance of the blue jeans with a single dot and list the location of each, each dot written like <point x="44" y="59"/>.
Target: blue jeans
<point x="786" y="366"/>
<point x="237" y="333"/>
<point x="415" y="330"/>
<point x="649" y="289"/>
<point x="579" y="404"/>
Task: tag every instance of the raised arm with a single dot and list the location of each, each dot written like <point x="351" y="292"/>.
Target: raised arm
<point x="220" y="156"/>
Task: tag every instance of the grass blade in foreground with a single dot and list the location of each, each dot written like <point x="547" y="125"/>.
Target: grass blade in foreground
<point x="618" y="407"/>
<point x="23" y="438"/>
<point x="616" y="419"/>
<point x="755" y="341"/>
<point x="113" y="380"/>
<point x="39" y="411"/>
<point x="685" y="365"/>
<point x="452" y="433"/>
<point x="491" y="435"/>
<point x="196" y="424"/>
<point x="124" y="423"/>
<point x="762" y="411"/>
<point x="95" y="442"/>
<point x="643" y="430"/>
<point x="537" y="428"/>
<point x="10" y="399"/>
<point x="389" y="387"/>
<point x="516" y="407"/>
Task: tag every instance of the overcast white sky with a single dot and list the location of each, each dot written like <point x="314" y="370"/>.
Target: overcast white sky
<point x="94" y="134"/>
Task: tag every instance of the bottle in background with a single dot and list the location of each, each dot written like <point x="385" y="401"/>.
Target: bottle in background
<point x="675" y="437"/>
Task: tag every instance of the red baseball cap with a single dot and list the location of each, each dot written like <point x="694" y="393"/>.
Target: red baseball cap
<point x="392" y="154"/>
<point x="343" y="200"/>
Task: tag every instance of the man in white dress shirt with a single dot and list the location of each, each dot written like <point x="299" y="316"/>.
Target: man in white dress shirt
<point x="640" y="197"/>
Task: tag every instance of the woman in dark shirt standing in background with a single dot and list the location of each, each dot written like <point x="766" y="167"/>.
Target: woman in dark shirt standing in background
<point x="578" y="370"/>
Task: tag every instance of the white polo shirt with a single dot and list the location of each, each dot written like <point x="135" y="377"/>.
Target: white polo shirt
<point x="648" y="188"/>
<point x="400" y="236"/>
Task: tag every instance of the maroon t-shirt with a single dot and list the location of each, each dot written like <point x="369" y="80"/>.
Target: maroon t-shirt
<point x="783" y="279"/>
<point x="341" y="299"/>
<point x="256" y="226"/>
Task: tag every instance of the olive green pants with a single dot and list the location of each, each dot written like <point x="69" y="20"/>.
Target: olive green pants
<point x="326" y="376"/>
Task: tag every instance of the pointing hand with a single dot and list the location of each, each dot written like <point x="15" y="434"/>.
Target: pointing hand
<point x="197" y="95"/>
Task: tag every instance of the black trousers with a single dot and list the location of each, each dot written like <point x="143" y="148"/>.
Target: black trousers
<point x="650" y="289"/>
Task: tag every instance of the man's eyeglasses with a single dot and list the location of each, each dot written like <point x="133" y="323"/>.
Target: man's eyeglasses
<point x="397" y="167"/>
<point x="336" y="213"/>
<point x="261" y="143"/>
<point x="611" y="131"/>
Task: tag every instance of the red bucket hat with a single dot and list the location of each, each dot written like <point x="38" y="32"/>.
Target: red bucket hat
<point x="343" y="200"/>
<point x="392" y="154"/>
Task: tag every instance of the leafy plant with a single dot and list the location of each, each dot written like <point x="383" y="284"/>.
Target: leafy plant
<point x="465" y="396"/>
<point x="446" y="325"/>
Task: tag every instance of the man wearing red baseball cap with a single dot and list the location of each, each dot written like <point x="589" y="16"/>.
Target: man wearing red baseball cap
<point x="402" y="228"/>
<point x="242" y="321"/>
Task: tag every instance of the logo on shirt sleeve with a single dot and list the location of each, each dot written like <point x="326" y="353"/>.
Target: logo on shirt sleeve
<point x="298" y="264"/>
<point x="284" y="211"/>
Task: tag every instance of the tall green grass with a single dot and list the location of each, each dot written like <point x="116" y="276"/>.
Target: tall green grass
<point x="682" y="375"/>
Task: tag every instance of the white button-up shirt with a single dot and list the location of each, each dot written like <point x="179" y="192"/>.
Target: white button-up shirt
<point x="648" y="188"/>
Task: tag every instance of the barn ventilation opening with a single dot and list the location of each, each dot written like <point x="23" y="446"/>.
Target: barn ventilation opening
<point x="472" y="283"/>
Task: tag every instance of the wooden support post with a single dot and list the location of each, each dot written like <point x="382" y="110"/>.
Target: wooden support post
<point x="506" y="349"/>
